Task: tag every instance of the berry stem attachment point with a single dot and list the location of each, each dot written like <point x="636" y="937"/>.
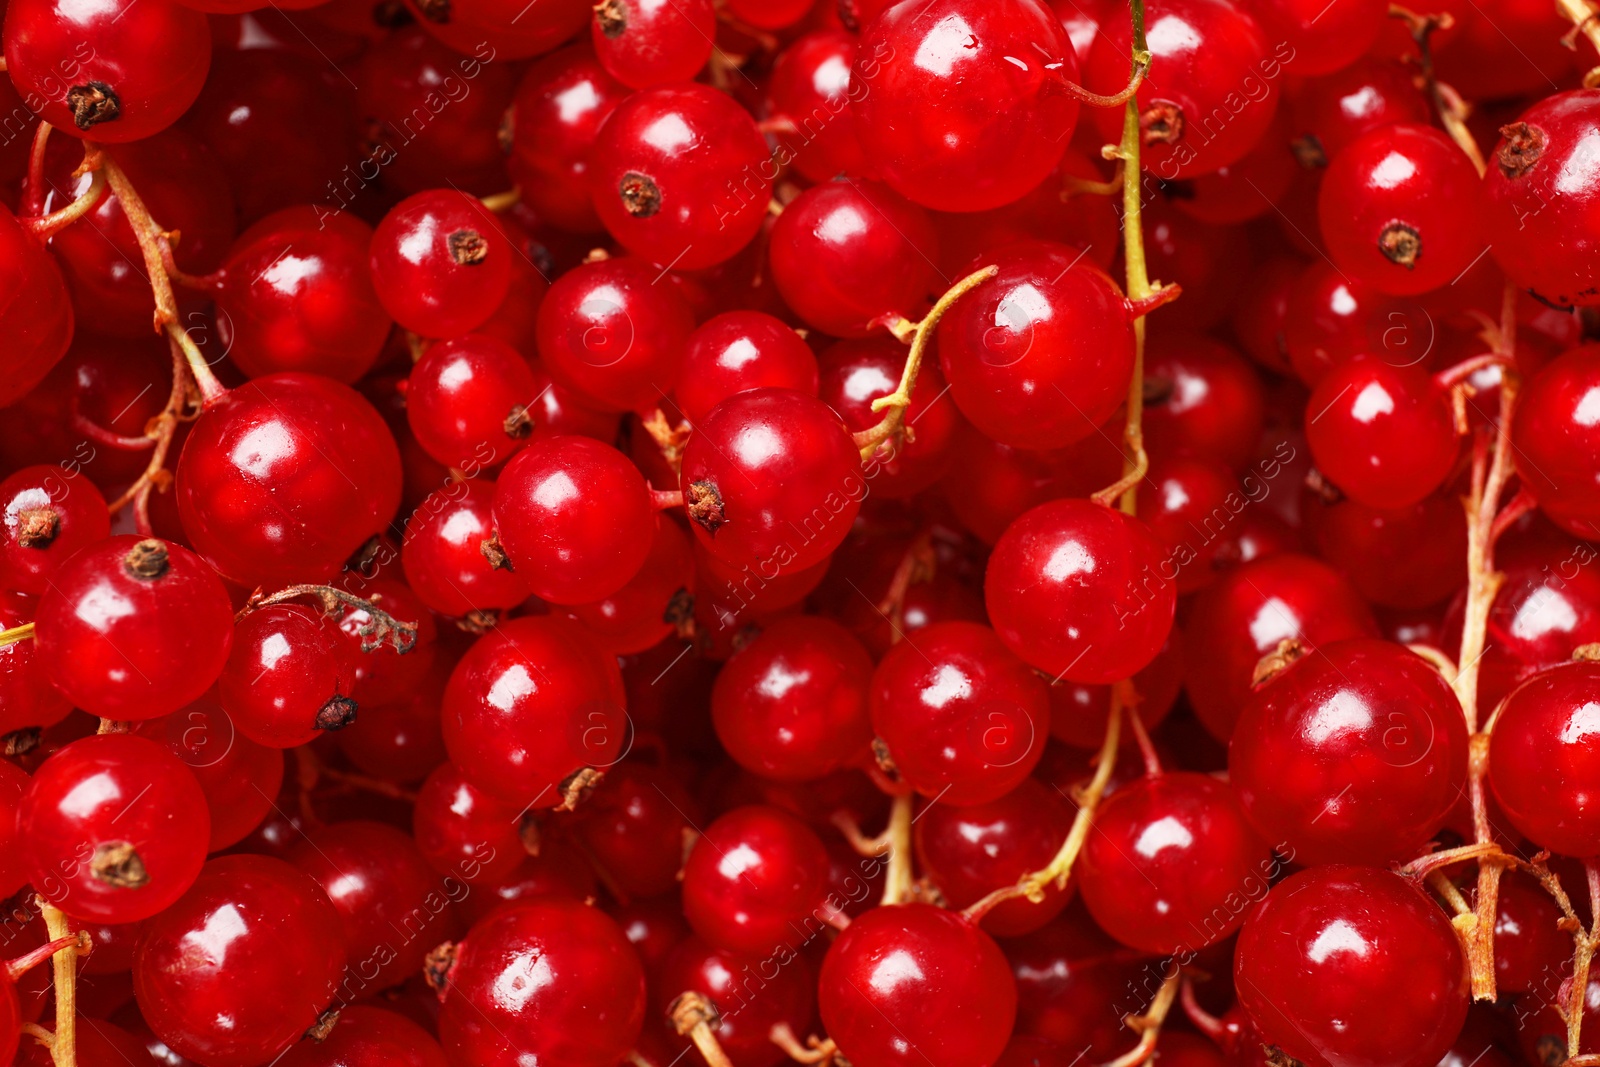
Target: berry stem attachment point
<point x="666" y="499"/>
<point x="1148" y="1025"/>
<point x="921" y="333"/>
<point x="15" y="634"/>
<point x="694" y="1017"/>
<point x="813" y="1051"/>
<point x="380" y="627"/>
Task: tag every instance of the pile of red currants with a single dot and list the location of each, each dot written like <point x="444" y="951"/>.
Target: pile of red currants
<point x="937" y="533"/>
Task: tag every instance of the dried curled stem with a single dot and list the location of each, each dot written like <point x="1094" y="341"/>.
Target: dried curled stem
<point x="1452" y="109"/>
<point x="815" y="1050"/>
<point x="379" y="629"/>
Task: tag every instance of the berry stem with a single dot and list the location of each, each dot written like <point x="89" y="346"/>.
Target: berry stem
<point x="43" y="227"/>
<point x="818" y="1051"/>
<point x="663" y="499"/>
<point x="505" y="201"/>
<point x="34" y="204"/>
<point x="694" y="1017"/>
<point x="160" y="433"/>
<point x="1148" y="1025"/>
<point x="916" y="565"/>
<point x="64" y="964"/>
<point x="1452" y="109"/>
<point x="28" y="961"/>
<point x="1585" y="19"/>
<point x="921" y="334"/>
<point x="1209" y="1025"/>
<point x="15" y="634"/>
<point x="1141" y="66"/>
<point x="897" y="882"/>
<point x="1147" y="750"/>
<point x="379" y="628"/>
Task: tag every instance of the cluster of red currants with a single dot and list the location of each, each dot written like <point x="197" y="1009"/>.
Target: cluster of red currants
<point x="943" y="533"/>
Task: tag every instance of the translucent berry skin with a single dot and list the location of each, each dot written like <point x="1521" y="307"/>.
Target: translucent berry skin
<point x="26" y="696"/>
<point x="1539" y="755"/>
<point x="49" y="512"/>
<point x="749" y="1011"/>
<point x="962" y="717"/>
<point x="559" y="106"/>
<point x="296" y="295"/>
<point x="1355" y="754"/>
<point x="1338" y="943"/>
<point x="809" y="86"/>
<point x="1077" y="590"/>
<point x="114" y="828"/>
<point x="1364" y="96"/>
<point x="14" y="783"/>
<point x="125" y="646"/>
<point x="585" y="1009"/>
<point x="1049" y="324"/>
<point x="1167" y="861"/>
<point x="1398" y="210"/>
<point x="1404" y="558"/>
<point x="440" y="263"/>
<point x="391" y="905"/>
<point x="1247" y="613"/>
<point x="1557" y="442"/>
<point x="893" y="981"/>
<point x="36" y="312"/>
<point x="1540" y="220"/>
<point x="1213" y="55"/>
<point x="463" y="832"/>
<point x="653" y="603"/>
<point x="368" y="1037"/>
<point x="131" y="68"/>
<point x="613" y="336"/>
<point x="517" y="31"/>
<point x="1208" y="401"/>
<point x="971" y="851"/>
<point x="522" y="732"/>
<point x="643" y="43"/>
<point x="633" y="826"/>
<point x="1078" y="713"/>
<point x="242" y="965"/>
<point x="666" y="197"/>
<point x="772" y="479"/>
<point x="289" y="677"/>
<point x="1528" y="946"/>
<point x="239" y="777"/>
<point x="443" y="560"/>
<point x="467" y="398"/>
<point x="856" y="373"/>
<point x="964" y="131"/>
<point x="285" y="478"/>
<point x="1323" y="41"/>
<point x="1383" y="434"/>
<point x="574" y="517"/>
<point x="792" y="704"/>
<point x="756" y="877"/>
<point x="741" y="350"/>
<point x="848" y="253"/>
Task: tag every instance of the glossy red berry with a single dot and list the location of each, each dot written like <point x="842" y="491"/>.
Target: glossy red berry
<point x="847" y="255"/>
<point x="289" y="677"/>
<point x="367" y="1036"/>
<point x="463" y="832"/>
<point x="1048" y="326"/>
<point x="740" y="350"/>
<point x="755" y="879"/>
<point x="854" y="374"/>
<point x="283" y="479"/>
<point x="36" y="313"/>
<point x="1538" y="220"/>
<point x="749" y="1008"/>
<point x="114" y="828"/>
<point x="1556" y="431"/>
<point x="533" y="703"/>
<point x="242" y="965"/>
<point x="1354" y="755"/>
<point x="26" y="696"/>
<point x="1541" y="749"/>
<point x="771" y="478"/>
<point x="1383" y="434"/>
<point x="1335" y="110"/>
<point x="296" y="295"/>
<point x="443" y="553"/>
<point x="809" y="90"/>
<point x="470" y="400"/>
<point x="680" y="176"/>
<point x="960" y="717"/>
<point x="1323" y="40"/>
<point x="1204" y="399"/>
<point x="655" y="603"/>
<point x="111" y="72"/>
<point x="1078" y="590"/>
<point x="1320" y="952"/>
<point x="1171" y="862"/>
<point x="14" y="783"/>
<point x="559" y="106"/>
<point x="440" y="263"/>
<point x="633" y="826"/>
<point x="1402" y="558"/>
<point x="49" y="513"/>
<point x="517" y="31"/>
<point x="643" y="43"/>
<point x="1529" y="949"/>
<point x="893" y="981"/>
<point x="980" y="116"/>
<point x="550" y="981"/>
<point x="1191" y="505"/>
<point x="608" y="332"/>
<point x="132" y="629"/>
<point x="574" y="517"/>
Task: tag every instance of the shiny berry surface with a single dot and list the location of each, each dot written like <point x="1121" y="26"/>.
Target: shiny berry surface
<point x="754" y="878"/>
<point x="289" y="676"/>
<point x="559" y="105"/>
<point x="49" y="513"/>
<point x="470" y="397"/>
<point x="367" y="1036"/>
<point x="1557" y="440"/>
<point x="737" y="351"/>
<point x="440" y="263"/>
<point x="443" y="553"/>
<point x="1540" y="752"/>
<point x="1383" y="434"/>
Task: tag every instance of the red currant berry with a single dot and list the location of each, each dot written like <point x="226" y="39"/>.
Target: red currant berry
<point x="132" y="629"/>
<point x="440" y="263"/>
<point x="850" y="254"/>
<point x="551" y="981"/>
<point x="385" y="673"/>
<point x="27" y="698"/>
<point x="114" y="828"/>
<point x="1320" y="952"/>
<point x="112" y="72"/>
<point x="748" y="1007"/>
<point x="531" y="705"/>
<point x="854" y="374"/>
<point x="463" y="832"/>
<point x="289" y="678"/>
<point x="36" y="314"/>
<point x="1203" y="399"/>
<point x="1078" y="713"/>
<point x="1541" y="749"/>
<point x="1321" y="44"/>
<point x="368" y="1037"/>
<point x="981" y="115"/>
<point x="1403" y="558"/>
<point x="558" y="871"/>
<point x="1383" y="434"/>
<point x="989" y="484"/>
<point x="469" y="397"/>
<point x="1047" y="326"/>
<point x="1333" y="111"/>
<point x="655" y="602"/>
<point x="754" y="880"/>
<point x="772" y="478"/>
<point x="1078" y="590"/>
<point x="680" y="175"/>
<point x="892" y="983"/>
<point x="49" y="513"/>
<point x="1503" y="49"/>
<point x="644" y="43"/>
<point x="1327" y="320"/>
<point x="633" y="826"/>
<point x="1356" y="754"/>
<point x="808" y="104"/>
<point x="1529" y="945"/>
<point x="1556" y="431"/>
<point x="285" y="478"/>
<point x="1190" y="506"/>
<point x="559" y="106"/>
<point x="14" y="783"/>
<point x="1168" y="861"/>
<point x="242" y="965"/>
<point x="741" y="350"/>
<point x="296" y="295"/>
<point x="961" y="718"/>
<point x="443" y="555"/>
